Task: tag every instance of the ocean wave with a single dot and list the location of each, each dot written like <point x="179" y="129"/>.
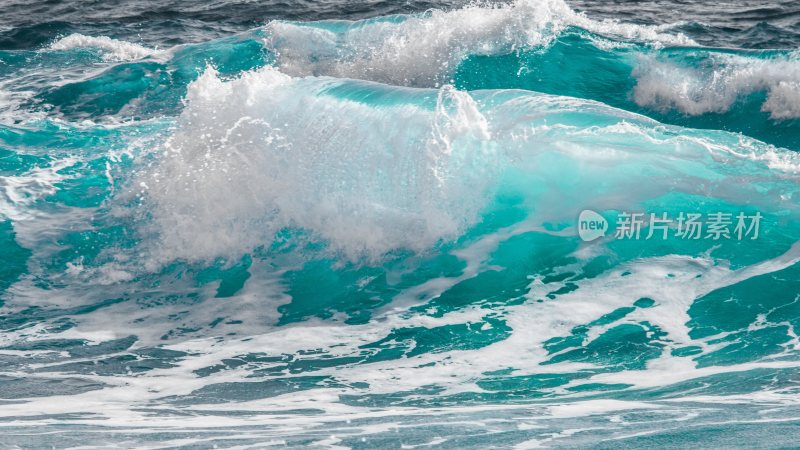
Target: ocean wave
<point x="364" y="234"/>
<point x="424" y="50"/>
<point x="161" y="78"/>
<point x="718" y="82"/>
<point x="405" y="52"/>
<point x="265" y="152"/>
<point x="647" y="69"/>
<point x="111" y="49"/>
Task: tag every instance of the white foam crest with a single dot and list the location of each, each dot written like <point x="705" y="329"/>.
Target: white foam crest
<point x="424" y="50"/>
<point x="253" y="155"/>
<point x="717" y="85"/>
<point x="112" y="49"/>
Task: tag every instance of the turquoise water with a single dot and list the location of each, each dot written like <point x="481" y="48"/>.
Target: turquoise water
<point x="365" y="234"/>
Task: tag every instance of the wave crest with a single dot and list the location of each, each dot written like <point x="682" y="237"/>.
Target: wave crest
<point x="717" y="84"/>
<point x="112" y="49"/>
<point x="424" y="50"/>
<point x="263" y="152"/>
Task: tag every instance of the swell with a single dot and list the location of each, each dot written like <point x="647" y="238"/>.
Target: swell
<point x="739" y="24"/>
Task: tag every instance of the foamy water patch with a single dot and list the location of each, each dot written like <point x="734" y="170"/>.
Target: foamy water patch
<point x="19" y="193"/>
<point x="424" y="50"/>
<point x="719" y="83"/>
<point x="111" y="49"/>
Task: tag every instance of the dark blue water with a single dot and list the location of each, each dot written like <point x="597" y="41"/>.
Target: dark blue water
<point x="743" y="24"/>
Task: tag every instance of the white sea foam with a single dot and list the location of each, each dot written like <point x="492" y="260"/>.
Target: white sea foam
<point x="424" y="50"/>
<point x="719" y="83"/>
<point x="112" y="49"/>
<point x="18" y="193"/>
<point x="262" y="152"/>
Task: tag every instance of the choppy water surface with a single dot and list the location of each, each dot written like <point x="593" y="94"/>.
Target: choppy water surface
<point x="353" y="224"/>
